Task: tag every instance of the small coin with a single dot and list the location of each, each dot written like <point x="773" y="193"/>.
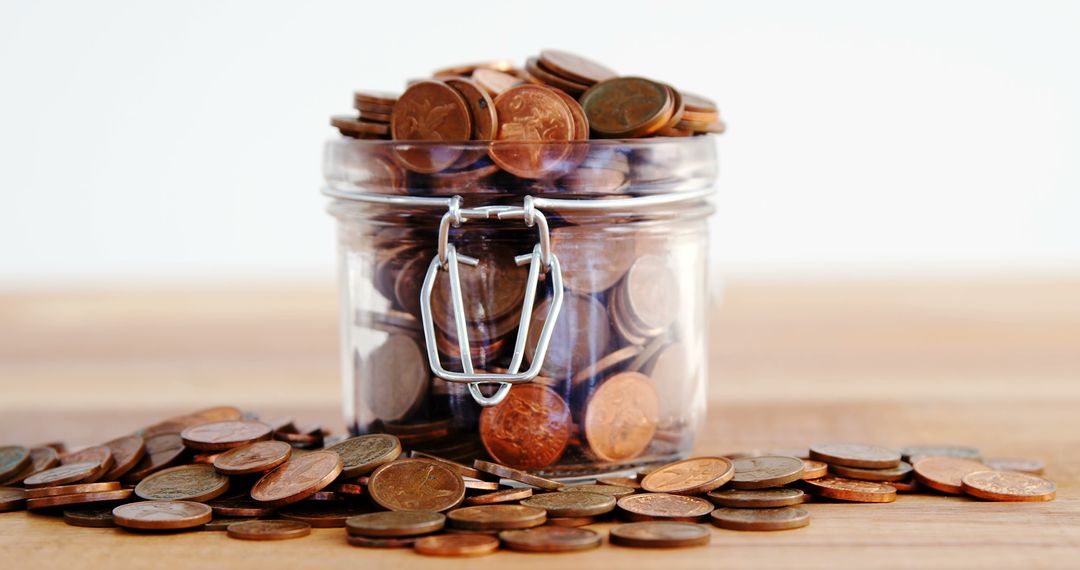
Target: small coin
<point x="503" y="496"/>
<point x="416" y="485"/>
<point x="529" y="429"/>
<point x="1020" y="465"/>
<point x="551" y="539"/>
<point x="660" y="534"/>
<point x="516" y="475"/>
<point x="162" y="515"/>
<point x="946" y="473"/>
<point x="268" y="530"/>
<point x="650" y="295"/>
<point x="1008" y="486"/>
<point x="398" y="357"/>
<point x="198" y="483"/>
<point x="693" y="476"/>
<point x="257" y="457"/>
<point x="898" y="473"/>
<point x="162" y="450"/>
<point x="855" y="455"/>
<point x="621" y="417"/>
<point x="297" y="479"/>
<point x="611" y="362"/>
<point x="575" y="67"/>
<point x="476" y="485"/>
<point x="580" y="504"/>
<point x="601" y="489"/>
<point x="127" y="452"/>
<point x="852" y="490"/>
<point x="72" y="489"/>
<point x="13" y="459"/>
<point x="630" y="482"/>
<point x="239" y="508"/>
<point x="757" y="498"/>
<point x="222" y="524"/>
<point x="78" y="499"/>
<point x="368" y="542"/>
<point x="663" y="506"/>
<point x="781" y="518"/>
<point x="572" y="521"/>
<point x="70" y="473"/>
<point x="93" y="517"/>
<point x="767" y="471"/>
<point x="100" y="454"/>
<point x="532" y="118"/>
<point x="430" y="110"/>
<point x="219" y="436"/>
<point x="579" y="334"/>
<point x="457" y="545"/>
<point x="395" y="523"/>
<point x="12" y="499"/>
<point x="496" y="517"/>
<point x="462" y="469"/>
<point x="627" y="107"/>
<point x="494" y="81"/>
<point x="41" y="458"/>
<point x="914" y="452"/>
<point x="814" y="469"/>
<point x="363" y="454"/>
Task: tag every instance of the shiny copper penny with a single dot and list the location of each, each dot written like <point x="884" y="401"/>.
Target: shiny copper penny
<point x="398" y="357"/>
<point x="757" y="498"/>
<point x="219" y="436"/>
<point x="527" y="430"/>
<point x="600" y="489"/>
<point x="239" y="508"/>
<point x="100" y="454"/>
<point x="416" y="485"/>
<point x="430" y="111"/>
<point x="363" y="454"/>
<point x="462" y="469"/>
<point x="915" y="452"/>
<point x="496" y="517"/>
<point x="503" y="496"/>
<point x="532" y="121"/>
<point x="162" y="515"/>
<point x="551" y="539"/>
<point x="575" y="67"/>
<point x="127" y="452"/>
<point x="1021" y="465"/>
<point x="482" y="109"/>
<point x="255" y="457"/>
<point x="572" y="521"/>
<point x="64" y="474"/>
<point x="814" y="469"/>
<point x="851" y="490"/>
<point x="457" y="545"/>
<point x="395" y="523"/>
<point x="268" y="530"/>
<point x="92" y="517"/>
<point x="694" y="476"/>
<point x="78" y="499"/>
<point x="580" y="504"/>
<point x="1008" y="486"/>
<point x="627" y="107"/>
<point x="855" y="455"/>
<point x="782" y="518"/>
<point x="946" y="473"/>
<point x="184" y="483"/>
<point x="660" y="534"/>
<point x="663" y="506"/>
<point x="516" y="475"/>
<point x="630" y="482"/>
<point x="495" y="82"/>
<point x="12" y="498"/>
<point x="767" y="471"/>
<point x="898" y="473"/>
<point x="368" y="542"/>
<point x="580" y="336"/>
<point x="72" y="489"/>
<point x="162" y="450"/>
<point x="621" y="416"/>
<point x="297" y="479"/>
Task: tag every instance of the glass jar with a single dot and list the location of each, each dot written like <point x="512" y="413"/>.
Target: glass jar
<point x="552" y="319"/>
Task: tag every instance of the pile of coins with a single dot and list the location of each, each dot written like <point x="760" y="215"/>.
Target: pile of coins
<point x="225" y="471"/>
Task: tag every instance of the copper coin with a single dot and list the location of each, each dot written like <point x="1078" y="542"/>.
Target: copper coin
<point x="575" y="67"/>
<point x="516" y="475"/>
<point x="78" y="499"/>
<point x="497" y="517"/>
<point x="92" y="517"/>
<point x="630" y="482"/>
<point x="482" y="109"/>
<point x="694" y="476"/>
<point x="852" y="490"/>
<point x="184" y="483"/>
<point x="581" y="335"/>
<point x="621" y="416"/>
<point x="162" y="450"/>
<point x="589" y="265"/>
<point x="493" y="81"/>
<point x="395" y="523"/>
<point x="906" y="486"/>
<point x="612" y="362"/>
<point x="551" y="539"/>
<point x="765" y="472"/>
<point x="946" y="473"/>
<point x="572" y="521"/>
<point x="368" y="542"/>
<point x="490" y="291"/>
<point x="239" y="508"/>
<point x="531" y="119"/>
<point x="503" y="496"/>
<point x="915" y="452"/>
<point x="698" y="104"/>
<point x="41" y="458"/>
<point x="219" y="436"/>
<point x="100" y="454"/>
<point x="430" y="111"/>
<point x="268" y="530"/>
<point x="12" y="499"/>
<point x="814" y="469"/>
<point x="600" y="489"/>
<point x="13" y="459"/>
<point x="323" y="514"/>
<point x="855" y="455"/>
<point x="477" y="485"/>
<point x="385" y="98"/>
<point x="416" y="485"/>
<point x="627" y="107"/>
<point x="398" y="357"/>
<point x="72" y="489"/>
<point x="660" y="534"/>
<point x="663" y="506"/>
<point x="580" y="504"/>
<point x="363" y="454"/>
<point x="1008" y="486"/>
<point x="162" y="515"/>
<point x="539" y="75"/>
<point x="253" y="458"/>
<point x="462" y="469"/>
<point x="466" y="69"/>
<point x="757" y="498"/>
<point x="782" y="518"/>
<point x="64" y="474"/>
<point x="369" y="116"/>
<point x="898" y="473"/>
<point x="127" y="452"/>
<point x="222" y="524"/>
<point x="1021" y="465"/>
<point x="298" y="479"/>
<point x="527" y="430"/>
<point x="457" y="545"/>
<point x="651" y="294"/>
<point x="358" y="128"/>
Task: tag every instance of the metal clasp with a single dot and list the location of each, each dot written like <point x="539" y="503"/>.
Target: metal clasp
<point x="447" y="258"/>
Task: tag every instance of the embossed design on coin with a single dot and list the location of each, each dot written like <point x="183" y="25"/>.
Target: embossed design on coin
<point x="253" y="458"/>
<point x="851" y="490"/>
<point x="626" y="107"/>
<point x="430" y="111"/>
<point x="299" y="478"/>
<point x="946" y="473"/>
<point x="185" y="483"/>
<point x="363" y="454"/>
<point x="782" y="518"/>
<point x="621" y="416"/>
<point x="529" y="429"/>
<point x="416" y="485"/>
<point x="218" y="436"/>
<point x="551" y="539"/>
<point x="1008" y="486"/>
<point x="660" y="534"/>
<point x="651" y="506"/>
<point x="690" y="476"/>
<point x="162" y="515"/>
<point x="532" y="119"/>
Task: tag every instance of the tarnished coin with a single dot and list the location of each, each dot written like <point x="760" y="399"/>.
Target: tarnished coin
<point x="914" y="452"/>
<point x="621" y="416"/>
<point x="572" y="521"/>
<point x="580" y="334"/>
<point x="93" y="517"/>
<point x="268" y="530"/>
<point x="416" y="485"/>
<point x="198" y="483"/>
<point x="575" y="67"/>
<point x="457" y="545"/>
<point x="503" y="496"/>
<point x="660" y="534"/>
<point x="532" y="119"/>
<point x="461" y="468"/>
<point x="100" y="454"/>
<point x="663" y="506"/>
<point x="627" y="107"/>
<point x="814" y="469"/>
<point x="527" y="430"/>
<point x="852" y="490"/>
<point x="219" y="436"/>
<point x="64" y="474"/>
<point x="757" y="498"/>
<point x="162" y="515"/>
<point x="13" y="459"/>
<point x="363" y="454"/>
<point x="591" y="266"/>
<point x="767" y="471"/>
<point x="855" y="455"/>
<point x="162" y="450"/>
<point x="12" y="499"/>
<point x="581" y="504"/>
<point x="650" y="294"/>
<point x="610" y="490"/>
<point x="1008" y="486"/>
<point x="41" y="458"/>
<point x="72" y="489"/>
<point x="395" y="523"/>
<point x="127" y="452"/>
<point x="369" y="542"/>
<point x="297" y="479"/>
<point x="898" y="473"/>
<point x="430" y="111"/>
<point x="693" y="476"/>
<point x="78" y="499"/>
<point x="782" y="518"/>
<point x="946" y="473"/>
<point x="1020" y="465"/>
<point x="239" y="508"/>
<point x="496" y="517"/>
<point x="516" y="475"/>
<point x="255" y="457"/>
<point x="398" y="357"/>
<point x="550" y="539"/>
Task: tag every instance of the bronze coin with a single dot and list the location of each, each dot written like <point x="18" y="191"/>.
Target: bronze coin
<point x="184" y="483"/>
<point x="255" y="457"/>
<point x="78" y="499"/>
<point x="663" y="506"/>
<point x="855" y="455"/>
<point x="767" y="471"/>
<point x="580" y="504"/>
<point x="782" y="518"/>
<point x="497" y="517"/>
<point x="222" y="524"/>
<point x="466" y="69"/>
<point x="531" y="119"/>
<point x="621" y="416"/>
<point x="368" y="542"/>
<point x="219" y="436"/>
<point x="359" y="128"/>
<point x="630" y="482"/>
<point x="162" y="515"/>
<point x="127" y="452"/>
<point x="491" y="290"/>
<point x="323" y="514"/>
<point x="12" y="499"/>
<point x="600" y="489"/>
<point x="457" y="545"/>
<point x="698" y="104"/>
<point x="13" y="459"/>
<point x="1021" y="465"/>
<point x="484" y="120"/>
<point x="551" y="539"/>
<point x="100" y="454"/>
<point x="851" y="490"/>
<point x="581" y="335"/>
<point x="477" y="485"/>
<point x="64" y="474"/>
<point x="650" y="294"/>
<point x="694" y="476"/>
<point x="494" y="81"/>
<point x="503" y="496"/>
<point x="363" y="454"/>
<point x="92" y="517"/>
<point x="462" y="469"/>
<point x="239" y="508"/>
<point x="527" y="430"/>
<point x="590" y="265"/>
<point x="516" y="475"/>
<point x="757" y="498"/>
<point x="297" y="479"/>
<point x="162" y="450"/>
<point x="1008" y="486"/>
<point x="72" y="489"/>
<point x="575" y="67"/>
<point x="542" y="76"/>
<point x="268" y="530"/>
<point x="627" y="107"/>
<point x="914" y="452"/>
<point x="612" y="362"/>
<point x="945" y="474"/>
<point x="385" y="98"/>
<point x="814" y="469"/>
<point x="660" y="534"/>
<point x="898" y="473"/>
<point x="430" y="111"/>
<point x="416" y="485"/>
<point x="572" y="521"/>
<point x="398" y="357"/>
<point x="395" y="523"/>
<point x="41" y="458"/>
<point x="906" y="486"/>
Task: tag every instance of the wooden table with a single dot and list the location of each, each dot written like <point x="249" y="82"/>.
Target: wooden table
<point x="996" y="365"/>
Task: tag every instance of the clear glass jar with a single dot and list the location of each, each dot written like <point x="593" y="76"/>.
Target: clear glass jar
<point x="608" y="287"/>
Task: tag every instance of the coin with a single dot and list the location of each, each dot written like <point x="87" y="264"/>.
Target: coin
<point x="814" y="469"/>
<point x="664" y="506"/>
<point x="41" y="458"/>
<point x="757" y="498"/>
<point x="161" y="515"/>
<point x="600" y="488"/>
<point x="297" y="479"/>
<point x="913" y="452"/>
<point x="550" y="539"/>
<point x="538" y="75"/>
<point x="398" y="357"/>
<point x="529" y="429"/>
<point x="852" y="490"/>
<point x="621" y="416"/>
<point x="385" y="98"/>
<point x="898" y="473"/>
<point x="503" y="496"/>
<point x="368" y="542"/>
<point x="218" y="436"/>
<point x="580" y="504"/>
<point x="456" y="545"/>
<point x="12" y="499"/>
<point x="359" y="128"/>
<point x="496" y="517"/>
<point x="1008" y="486"/>
<point x="630" y="482"/>
<point x="72" y="489"/>
<point x="477" y="485"/>
<point x="612" y="362"/>
<point x="660" y="534"/>
<point x="516" y="475"/>
<point x="782" y="518"/>
<point x="127" y="452"/>
<point x="1022" y="465"/>
<point x="579" y="336"/>
<point x="70" y="473"/>
<point x="766" y="471"/>
<point x="416" y="485"/>
<point x="430" y="110"/>
<point x="162" y="450"/>
<point x="693" y="476"/>
<point x="627" y="107"/>
<point x="99" y="454"/>
<point x="462" y="469"/>
<point x="268" y="530"/>
<point x="184" y="483"/>
<point x="13" y="459"/>
<point x="363" y="454"/>
<point x="493" y="81"/>
<point x="323" y="514"/>
<point x="78" y="499"/>
<point x="590" y="265"/>
<point x="855" y="455"/>
<point x="239" y="508"/>
<point x="253" y="458"/>
<point x="575" y="67"/>
<point x="946" y="473"/>
<point x="466" y="69"/>
<point x="482" y="109"/>
<point x="93" y="517"/>
<point x="572" y="521"/>
<point x="650" y="295"/>
<point x="395" y="523"/>
<point x="906" y="486"/>
<point x="531" y="119"/>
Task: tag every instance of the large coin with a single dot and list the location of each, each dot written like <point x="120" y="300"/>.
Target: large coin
<point x="1008" y="486"/>
<point x="416" y="485"/>
<point x="497" y="517"/>
<point x="767" y="471"/>
<point x="298" y="479"/>
<point x="162" y="515"/>
<point x="621" y="417"/>
<point x="162" y="450"/>
<point x="257" y="457"/>
<point x="855" y="455"/>
<point x="430" y="111"/>
<point x="219" y="436"/>
<point x="660" y="534"/>
<point x="946" y="473"/>
<point x="662" y="506"/>
<point x="532" y="119"/>
<point x="127" y="452"/>
<point x="627" y="107"/>
<point x="852" y="490"/>
<point x="268" y="530"/>
<point x="392" y="382"/>
<point x="581" y="504"/>
<point x="184" y="483"/>
<point x="782" y="518"/>
<point x="395" y="523"/>
<point x="363" y="454"/>
<point x="757" y="498"/>
<point x="529" y="429"/>
<point x="550" y="539"/>
<point x="100" y="454"/>
<point x="694" y="476"/>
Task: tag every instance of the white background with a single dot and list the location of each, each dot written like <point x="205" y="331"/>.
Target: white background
<point x="150" y="142"/>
